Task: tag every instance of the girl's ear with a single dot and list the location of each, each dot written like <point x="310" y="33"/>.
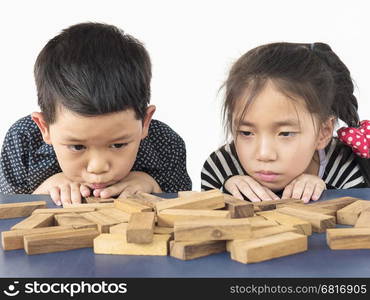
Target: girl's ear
<point x="38" y="118"/>
<point x="326" y="133"/>
<point x="147" y="119"/>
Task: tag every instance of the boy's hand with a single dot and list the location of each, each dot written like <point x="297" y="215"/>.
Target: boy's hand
<point x="246" y="185"/>
<point x="62" y="190"/>
<point x="305" y="187"/>
<point x="134" y="182"/>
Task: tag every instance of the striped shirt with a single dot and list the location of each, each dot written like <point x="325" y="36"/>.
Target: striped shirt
<point x="338" y="167"/>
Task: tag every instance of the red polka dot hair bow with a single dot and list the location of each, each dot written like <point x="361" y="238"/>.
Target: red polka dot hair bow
<point x="357" y="138"/>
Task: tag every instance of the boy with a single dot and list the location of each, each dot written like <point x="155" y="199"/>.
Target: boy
<point x="95" y="133"/>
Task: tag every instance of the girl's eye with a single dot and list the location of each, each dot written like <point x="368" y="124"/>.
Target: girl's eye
<point x="245" y="133"/>
<point x="287" y="133"/>
<point x="118" y="146"/>
<point x="76" y="147"/>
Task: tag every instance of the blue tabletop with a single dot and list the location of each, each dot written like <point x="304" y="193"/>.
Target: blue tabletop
<point x="318" y="261"/>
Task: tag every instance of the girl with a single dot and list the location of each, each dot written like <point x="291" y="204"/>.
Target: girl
<point x="281" y="105"/>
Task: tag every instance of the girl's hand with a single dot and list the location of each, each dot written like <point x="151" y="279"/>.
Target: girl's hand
<point x="136" y="181"/>
<point x="305" y="187"/>
<point x="62" y="190"/>
<point x="246" y="185"/>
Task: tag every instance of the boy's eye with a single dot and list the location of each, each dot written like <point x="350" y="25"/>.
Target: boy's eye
<point x="118" y="146"/>
<point x="76" y="147"/>
<point x="287" y="133"/>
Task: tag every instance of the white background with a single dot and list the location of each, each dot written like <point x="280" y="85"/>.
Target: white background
<point x="192" y="46"/>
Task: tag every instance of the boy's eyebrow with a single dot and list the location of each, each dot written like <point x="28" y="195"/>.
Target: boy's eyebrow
<point x="281" y="123"/>
<point x="77" y="140"/>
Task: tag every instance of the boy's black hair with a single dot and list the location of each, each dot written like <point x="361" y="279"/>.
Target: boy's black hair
<point x="93" y="69"/>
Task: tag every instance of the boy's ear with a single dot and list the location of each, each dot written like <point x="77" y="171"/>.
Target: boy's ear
<point x="38" y="118"/>
<point x="326" y="133"/>
<point x="147" y="119"/>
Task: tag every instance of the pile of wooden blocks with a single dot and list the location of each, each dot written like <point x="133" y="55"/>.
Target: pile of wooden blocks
<point x="194" y="225"/>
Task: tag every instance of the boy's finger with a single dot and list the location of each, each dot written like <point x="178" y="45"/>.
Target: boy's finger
<point x="75" y="193"/>
<point x="298" y="190"/>
<point x="84" y="190"/>
<point x="112" y="190"/>
<point x="65" y="194"/>
<point x="308" y="192"/>
<point x="55" y="195"/>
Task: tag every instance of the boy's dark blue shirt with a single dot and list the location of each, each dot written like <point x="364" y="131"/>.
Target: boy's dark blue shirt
<point x="27" y="161"/>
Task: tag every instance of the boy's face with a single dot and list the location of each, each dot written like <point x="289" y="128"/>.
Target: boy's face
<point x="277" y="138"/>
<point x="97" y="151"/>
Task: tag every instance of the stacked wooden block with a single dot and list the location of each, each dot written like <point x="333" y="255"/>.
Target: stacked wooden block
<point x="194" y="225"/>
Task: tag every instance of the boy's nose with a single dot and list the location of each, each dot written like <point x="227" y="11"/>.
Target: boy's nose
<point x="97" y="165"/>
<point x="266" y="150"/>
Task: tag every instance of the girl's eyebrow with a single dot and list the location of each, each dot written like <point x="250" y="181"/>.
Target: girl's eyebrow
<point x="276" y="124"/>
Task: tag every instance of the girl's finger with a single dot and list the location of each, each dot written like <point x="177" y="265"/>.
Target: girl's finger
<point x="319" y="188"/>
<point x="298" y="190"/>
<point x="259" y="191"/>
<point x="308" y="192"/>
<point x="288" y="191"/>
<point x="248" y="192"/>
<point x="233" y="189"/>
<point x="272" y="194"/>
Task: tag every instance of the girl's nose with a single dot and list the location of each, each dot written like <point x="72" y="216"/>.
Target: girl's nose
<point x="266" y="150"/>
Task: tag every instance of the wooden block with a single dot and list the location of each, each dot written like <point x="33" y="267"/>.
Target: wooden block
<point x="120" y="228"/>
<point x="336" y="204"/>
<point x="146" y="199"/>
<point x="270" y="247"/>
<point x="19" y="209"/>
<point x="96" y="206"/>
<point x="238" y="208"/>
<point x="184" y="194"/>
<point x="262" y="232"/>
<point x="35" y="221"/>
<point x="167" y="217"/>
<point x="97" y="200"/>
<point x="348" y="238"/>
<point x="192" y="250"/>
<point x="212" y="229"/>
<point x="130" y="205"/>
<point x="75" y="220"/>
<point x="163" y="230"/>
<point x="261" y="222"/>
<point x="363" y="220"/>
<point x="59" y="241"/>
<point x="270" y="205"/>
<point x="119" y="215"/>
<point x="117" y="244"/>
<point x="13" y="239"/>
<point x="140" y="228"/>
<point x="63" y="210"/>
<point x="213" y="199"/>
<point x="103" y="221"/>
<point x="317" y="209"/>
<point x="303" y="226"/>
<point x="319" y="222"/>
<point x="348" y="215"/>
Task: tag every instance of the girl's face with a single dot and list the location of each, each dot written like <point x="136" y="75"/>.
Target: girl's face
<point x="277" y="138"/>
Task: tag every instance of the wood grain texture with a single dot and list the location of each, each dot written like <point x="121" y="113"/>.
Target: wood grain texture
<point x="192" y="250"/>
<point x="270" y="205"/>
<point x="19" y="209"/>
<point x="97" y="206"/>
<point x="304" y="227"/>
<point x="130" y="205"/>
<point x="117" y="244"/>
<point x="75" y="220"/>
<point x="140" y="228"/>
<point x="59" y="241"/>
<point x="167" y="217"/>
<point x="349" y="214"/>
<point x="103" y="222"/>
<point x="348" y="238"/>
<point x="270" y="247"/>
<point x="212" y="229"/>
<point x="319" y="222"/>
<point x="119" y="215"/>
<point x="35" y="221"/>
<point x="335" y="204"/>
<point x="63" y="210"/>
<point x="238" y="208"/>
<point x="13" y="239"/>
<point x="363" y="220"/>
